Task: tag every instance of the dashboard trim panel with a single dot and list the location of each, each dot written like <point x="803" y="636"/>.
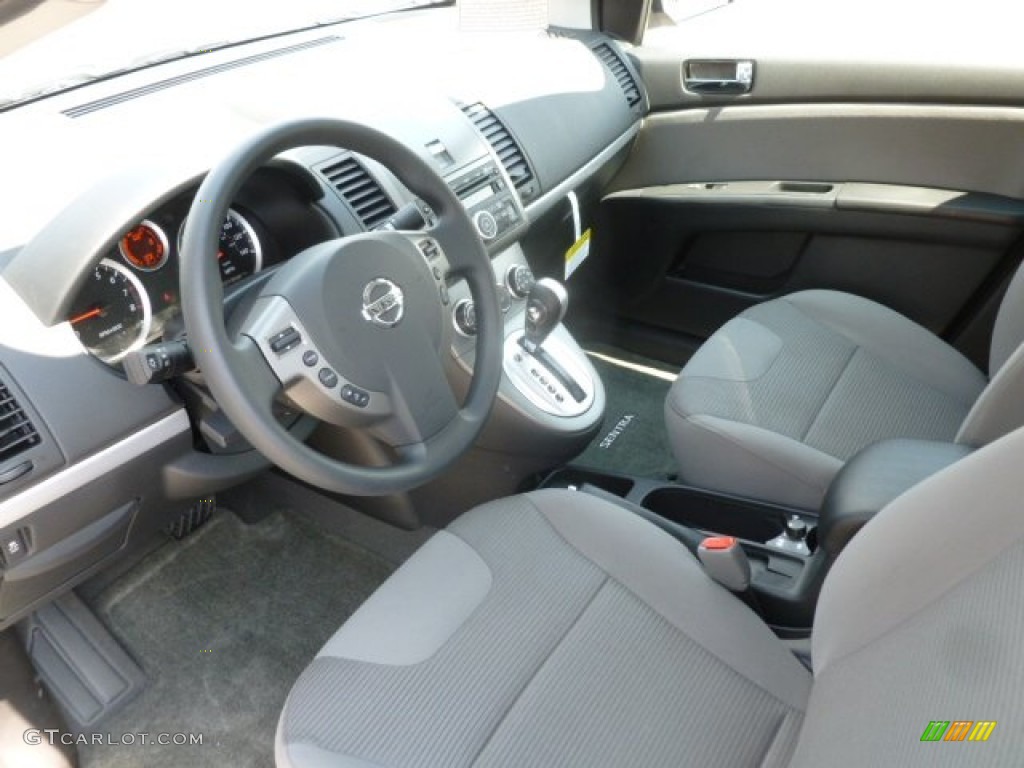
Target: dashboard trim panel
<point x="567" y="185"/>
<point x="94" y="467"/>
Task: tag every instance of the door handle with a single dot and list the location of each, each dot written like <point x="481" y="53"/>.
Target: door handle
<point x="718" y="75"/>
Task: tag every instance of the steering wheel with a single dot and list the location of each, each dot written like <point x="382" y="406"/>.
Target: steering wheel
<point x="353" y="331"/>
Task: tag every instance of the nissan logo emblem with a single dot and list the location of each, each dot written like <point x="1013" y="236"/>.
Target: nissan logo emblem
<point x="383" y="303"/>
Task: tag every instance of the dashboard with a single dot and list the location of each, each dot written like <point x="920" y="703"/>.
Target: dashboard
<point x="92" y="235"/>
<point x="130" y="297"/>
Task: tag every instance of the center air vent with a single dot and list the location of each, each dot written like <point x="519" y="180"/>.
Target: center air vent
<point x="611" y="59"/>
<point x="360" y="190"/>
<point x="505" y="146"/>
<point x="17" y="434"/>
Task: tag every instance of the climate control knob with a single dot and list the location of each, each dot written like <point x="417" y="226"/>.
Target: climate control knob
<point x="464" y="316"/>
<point x="519" y="280"/>
<point x="486" y="224"/>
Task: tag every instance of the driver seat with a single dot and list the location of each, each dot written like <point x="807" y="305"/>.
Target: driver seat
<point x="556" y="629"/>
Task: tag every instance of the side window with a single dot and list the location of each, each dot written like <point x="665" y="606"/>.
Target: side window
<point x="667" y="13"/>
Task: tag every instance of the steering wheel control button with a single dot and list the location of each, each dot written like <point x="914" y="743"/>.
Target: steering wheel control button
<point x="310" y="358"/>
<point x="355" y="396"/>
<point x="430" y="249"/>
<point x="445" y="297"/>
<point x="328" y="378"/>
<point x="383" y="303"/>
<point x="285" y="340"/>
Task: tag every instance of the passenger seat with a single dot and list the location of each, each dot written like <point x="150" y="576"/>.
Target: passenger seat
<point x="780" y="397"/>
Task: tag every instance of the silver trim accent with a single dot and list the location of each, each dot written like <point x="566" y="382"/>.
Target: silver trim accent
<point x="482" y="228"/>
<point x="272" y="314"/>
<point x="455" y="318"/>
<point x="742" y="79"/>
<point x="147" y="314"/>
<point x="548" y="199"/>
<point x="243" y="222"/>
<point x="512" y="284"/>
<point x="392" y="301"/>
<point x="256" y="244"/>
<point x="91" y="468"/>
<point x="519" y="365"/>
<point x="159" y="232"/>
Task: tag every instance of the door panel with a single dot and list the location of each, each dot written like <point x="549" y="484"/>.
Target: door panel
<point x="980" y="149"/>
<point x="686" y="259"/>
<point x="729" y="200"/>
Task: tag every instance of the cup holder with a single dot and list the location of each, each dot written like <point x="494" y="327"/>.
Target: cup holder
<point x="574" y="476"/>
<point x="716" y="514"/>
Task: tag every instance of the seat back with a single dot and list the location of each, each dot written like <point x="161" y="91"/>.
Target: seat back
<point x="1008" y="333"/>
<point x="920" y="621"/>
<point x="1000" y="407"/>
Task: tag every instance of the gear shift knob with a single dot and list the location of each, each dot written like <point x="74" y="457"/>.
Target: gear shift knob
<point x="545" y="308"/>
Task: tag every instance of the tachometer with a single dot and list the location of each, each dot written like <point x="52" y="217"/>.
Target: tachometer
<point x="145" y="247"/>
<point x="239" y="254"/>
<point x="112" y="314"/>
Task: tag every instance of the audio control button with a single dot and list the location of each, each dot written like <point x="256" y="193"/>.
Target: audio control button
<point x="465" y="317"/>
<point x="519" y="280"/>
<point x="486" y="224"/>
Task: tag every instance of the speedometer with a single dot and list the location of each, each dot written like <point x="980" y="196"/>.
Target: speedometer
<point x="112" y="314"/>
<point x="239" y="253"/>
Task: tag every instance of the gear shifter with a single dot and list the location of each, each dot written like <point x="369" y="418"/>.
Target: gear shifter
<point x="545" y="308"/>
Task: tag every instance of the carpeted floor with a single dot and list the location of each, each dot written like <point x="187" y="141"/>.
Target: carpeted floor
<point x="223" y="623"/>
<point x="632" y="440"/>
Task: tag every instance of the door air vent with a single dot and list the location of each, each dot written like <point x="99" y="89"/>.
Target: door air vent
<point x="360" y="190"/>
<point x="17" y="434"/>
<point x="505" y="146"/>
<point x="611" y="59"/>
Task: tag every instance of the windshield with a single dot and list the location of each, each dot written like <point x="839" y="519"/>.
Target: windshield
<point x="49" y="45"/>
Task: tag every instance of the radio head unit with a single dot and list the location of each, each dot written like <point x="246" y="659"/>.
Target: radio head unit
<point x="490" y="200"/>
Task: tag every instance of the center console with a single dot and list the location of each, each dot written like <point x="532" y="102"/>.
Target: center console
<point x="550" y="400"/>
<point x="787" y="565"/>
<point x="789" y="551"/>
<point x="548" y="383"/>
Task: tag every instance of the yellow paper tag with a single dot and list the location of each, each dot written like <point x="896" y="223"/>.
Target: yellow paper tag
<point x="577" y="254"/>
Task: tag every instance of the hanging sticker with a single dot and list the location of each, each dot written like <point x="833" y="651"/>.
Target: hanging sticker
<point x="577" y="254"/>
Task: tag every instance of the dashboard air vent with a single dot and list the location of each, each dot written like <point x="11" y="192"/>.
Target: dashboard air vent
<point x="505" y="146"/>
<point x="360" y="190"/>
<point x="17" y="434"/>
<point x="620" y="72"/>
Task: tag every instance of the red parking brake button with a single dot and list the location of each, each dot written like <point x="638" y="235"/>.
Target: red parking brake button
<point x="719" y="542"/>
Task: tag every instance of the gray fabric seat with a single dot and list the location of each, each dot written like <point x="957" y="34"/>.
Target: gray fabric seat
<point x="780" y="397"/>
<point x="555" y="629"/>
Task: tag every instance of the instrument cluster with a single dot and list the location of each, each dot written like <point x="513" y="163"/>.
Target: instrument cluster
<point x="132" y="293"/>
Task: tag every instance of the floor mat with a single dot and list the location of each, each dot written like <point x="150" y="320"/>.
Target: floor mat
<point x="223" y="623"/>
<point x="632" y="439"/>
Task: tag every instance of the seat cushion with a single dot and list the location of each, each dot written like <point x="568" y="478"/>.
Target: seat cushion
<point x="775" y="402"/>
<point x="548" y="629"/>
